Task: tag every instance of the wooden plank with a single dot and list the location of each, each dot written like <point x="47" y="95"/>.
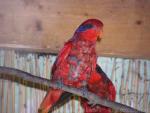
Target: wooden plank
<point x="44" y="26"/>
<point x="145" y="105"/>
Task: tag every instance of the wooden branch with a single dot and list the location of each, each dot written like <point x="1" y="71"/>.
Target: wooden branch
<point x="15" y="74"/>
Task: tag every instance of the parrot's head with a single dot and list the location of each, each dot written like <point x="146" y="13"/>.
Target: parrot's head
<point x="90" y="30"/>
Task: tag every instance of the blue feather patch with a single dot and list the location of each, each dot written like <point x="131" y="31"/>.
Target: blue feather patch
<point x="84" y="27"/>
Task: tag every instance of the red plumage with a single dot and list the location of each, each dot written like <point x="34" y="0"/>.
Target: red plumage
<point x="102" y="86"/>
<point x="75" y="62"/>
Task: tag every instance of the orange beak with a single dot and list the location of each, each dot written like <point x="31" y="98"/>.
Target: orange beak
<point x="99" y="37"/>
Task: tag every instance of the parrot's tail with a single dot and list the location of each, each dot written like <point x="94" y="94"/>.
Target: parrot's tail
<point x="65" y="97"/>
<point x="49" y="100"/>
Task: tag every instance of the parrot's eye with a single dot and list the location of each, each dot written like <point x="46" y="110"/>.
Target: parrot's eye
<point x="84" y="27"/>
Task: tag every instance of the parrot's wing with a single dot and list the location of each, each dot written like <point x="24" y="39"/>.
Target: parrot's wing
<point x="101" y="72"/>
<point x="112" y="89"/>
<point x="65" y="97"/>
<point x="62" y="55"/>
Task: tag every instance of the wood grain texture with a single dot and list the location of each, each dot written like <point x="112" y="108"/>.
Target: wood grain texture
<point x="44" y="26"/>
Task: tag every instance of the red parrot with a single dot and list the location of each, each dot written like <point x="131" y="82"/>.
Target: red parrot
<point x="75" y="62"/>
<point x="99" y="84"/>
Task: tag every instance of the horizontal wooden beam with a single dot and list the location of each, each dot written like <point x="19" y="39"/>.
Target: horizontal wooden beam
<point x="44" y="26"/>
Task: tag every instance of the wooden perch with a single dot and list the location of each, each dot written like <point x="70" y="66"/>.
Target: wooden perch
<point x="18" y="75"/>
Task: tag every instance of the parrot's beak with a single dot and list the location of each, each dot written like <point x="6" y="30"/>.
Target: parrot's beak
<point x="99" y="38"/>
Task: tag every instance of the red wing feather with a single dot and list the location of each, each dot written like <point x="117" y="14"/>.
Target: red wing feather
<point x="62" y="55"/>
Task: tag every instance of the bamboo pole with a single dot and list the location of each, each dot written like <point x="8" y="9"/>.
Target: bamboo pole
<point x="122" y="87"/>
<point x="8" y="88"/>
<point x="1" y="91"/>
<point x="128" y="76"/>
<point x="113" y="69"/>
<point x="73" y="104"/>
<point x="79" y="108"/>
<point x="145" y="105"/>
<point x="131" y="92"/>
<point x="2" y="110"/>
<point x="137" y="83"/>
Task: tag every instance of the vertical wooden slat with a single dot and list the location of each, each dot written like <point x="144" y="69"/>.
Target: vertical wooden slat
<point x="1" y="90"/>
<point x="148" y="80"/>
<point x="64" y="108"/>
<point x="2" y="95"/>
<point x="145" y="104"/>
<point x="1" y="83"/>
<point x="25" y="91"/>
<point x="113" y="69"/>
<point x="122" y="87"/>
<point x="40" y="96"/>
<point x="79" y="99"/>
<point x="20" y="88"/>
<point x="127" y="83"/>
<point x="131" y="90"/>
<point x="13" y="86"/>
<point x="8" y="84"/>
<point x="137" y="82"/>
<point x="16" y="87"/>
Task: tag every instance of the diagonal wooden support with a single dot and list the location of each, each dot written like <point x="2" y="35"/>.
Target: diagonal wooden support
<point x="18" y="76"/>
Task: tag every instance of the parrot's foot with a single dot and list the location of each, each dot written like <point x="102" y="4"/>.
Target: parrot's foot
<point x="92" y="103"/>
<point x="84" y="90"/>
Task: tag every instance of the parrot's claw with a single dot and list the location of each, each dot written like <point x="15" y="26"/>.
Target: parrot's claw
<point x="92" y="103"/>
<point x="84" y="90"/>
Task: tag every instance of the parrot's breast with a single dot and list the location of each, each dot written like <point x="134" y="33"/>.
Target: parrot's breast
<point x="81" y="60"/>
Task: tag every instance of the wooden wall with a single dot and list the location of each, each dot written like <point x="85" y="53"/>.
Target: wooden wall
<point x="44" y="25"/>
<point x="131" y="79"/>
